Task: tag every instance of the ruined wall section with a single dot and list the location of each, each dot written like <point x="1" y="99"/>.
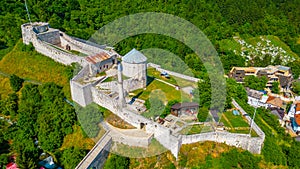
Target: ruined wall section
<point x="80" y="45"/>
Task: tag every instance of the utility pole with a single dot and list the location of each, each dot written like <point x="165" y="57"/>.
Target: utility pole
<point x="27" y="12"/>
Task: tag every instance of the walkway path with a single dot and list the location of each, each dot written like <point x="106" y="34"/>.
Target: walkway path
<point x="165" y="82"/>
<point x="131" y="137"/>
<point x="97" y="149"/>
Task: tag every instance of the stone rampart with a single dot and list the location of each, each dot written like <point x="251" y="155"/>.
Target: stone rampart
<point x="81" y="45"/>
<point x="56" y="54"/>
<point x="81" y="93"/>
<point x="252" y="144"/>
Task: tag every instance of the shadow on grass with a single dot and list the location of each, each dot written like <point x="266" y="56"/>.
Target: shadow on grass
<point x="149" y="80"/>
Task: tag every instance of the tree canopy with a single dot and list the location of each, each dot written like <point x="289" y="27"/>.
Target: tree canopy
<point x="256" y="83"/>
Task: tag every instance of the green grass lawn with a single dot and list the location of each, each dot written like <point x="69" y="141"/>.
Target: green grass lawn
<point x="237" y="124"/>
<point x="253" y="133"/>
<point x="35" y="66"/>
<point x="170" y="92"/>
<point x="195" y="129"/>
<point x="233" y="121"/>
<point x="152" y="72"/>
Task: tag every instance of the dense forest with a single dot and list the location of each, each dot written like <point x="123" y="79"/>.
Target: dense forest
<point x="39" y="112"/>
<point x="40" y="119"/>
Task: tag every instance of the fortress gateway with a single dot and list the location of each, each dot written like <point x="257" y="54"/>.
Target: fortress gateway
<point x="95" y="83"/>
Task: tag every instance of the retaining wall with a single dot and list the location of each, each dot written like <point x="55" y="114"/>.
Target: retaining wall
<point x="179" y="75"/>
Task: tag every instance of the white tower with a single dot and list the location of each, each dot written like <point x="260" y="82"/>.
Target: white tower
<point x="120" y="86"/>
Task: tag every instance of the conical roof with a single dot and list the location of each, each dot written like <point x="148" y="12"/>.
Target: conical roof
<point x="134" y="56"/>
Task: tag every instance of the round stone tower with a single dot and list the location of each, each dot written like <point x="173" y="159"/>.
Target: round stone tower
<point x="135" y="65"/>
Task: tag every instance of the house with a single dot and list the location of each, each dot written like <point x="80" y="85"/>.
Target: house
<point x="188" y="108"/>
<point x="297" y="108"/>
<point x="257" y="98"/>
<point x="281" y="74"/>
<point x="101" y="62"/>
<point x="274" y="102"/>
<point x="294" y="115"/>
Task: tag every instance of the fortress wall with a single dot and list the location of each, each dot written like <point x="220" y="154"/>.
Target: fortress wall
<point x="51" y="37"/>
<point x="81" y="45"/>
<point x="83" y="72"/>
<point x="161" y="133"/>
<point x="130" y="140"/>
<point x="27" y="33"/>
<point x="252" y="144"/>
<point x="56" y="54"/>
<point x="182" y="76"/>
<point x="81" y="93"/>
<point x="113" y="86"/>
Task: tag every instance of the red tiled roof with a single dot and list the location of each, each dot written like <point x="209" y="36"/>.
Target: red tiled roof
<point x="97" y="58"/>
<point x="275" y="101"/>
<point x="297" y="107"/>
<point x="297" y="118"/>
<point x="11" y="166"/>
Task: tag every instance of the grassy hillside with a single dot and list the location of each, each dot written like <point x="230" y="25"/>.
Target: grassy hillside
<point x="209" y="155"/>
<point x="5" y="87"/>
<point x="34" y="66"/>
<point x="269" y="49"/>
<point x="77" y="139"/>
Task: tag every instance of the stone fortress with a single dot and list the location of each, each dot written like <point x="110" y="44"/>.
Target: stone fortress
<point x="94" y="83"/>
